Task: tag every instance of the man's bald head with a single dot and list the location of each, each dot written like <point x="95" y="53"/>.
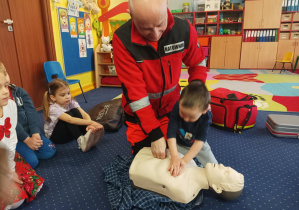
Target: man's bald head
<point x="149" y="17"/>
<point x="145" y="4"/>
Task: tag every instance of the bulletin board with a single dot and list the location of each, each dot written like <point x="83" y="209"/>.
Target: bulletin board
<point x="73" y="63"/>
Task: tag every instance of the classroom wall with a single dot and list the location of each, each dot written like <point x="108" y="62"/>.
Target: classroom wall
<point x="86" y="78"/>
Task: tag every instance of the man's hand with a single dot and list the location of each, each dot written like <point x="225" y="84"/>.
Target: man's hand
<point x="15" y="178"/>
<point x="33" y="143"/>
<point x="159" y="148"/>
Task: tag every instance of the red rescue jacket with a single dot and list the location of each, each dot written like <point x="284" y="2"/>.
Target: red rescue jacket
<point x="150" y="77"/>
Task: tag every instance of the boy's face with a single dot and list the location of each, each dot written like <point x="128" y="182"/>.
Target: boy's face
<point x="190" y="114"/>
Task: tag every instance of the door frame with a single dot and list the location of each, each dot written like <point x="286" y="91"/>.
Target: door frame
<point x="48" y="28"/>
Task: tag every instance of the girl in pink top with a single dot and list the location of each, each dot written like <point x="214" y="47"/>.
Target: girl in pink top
<point x="65" y="120"/>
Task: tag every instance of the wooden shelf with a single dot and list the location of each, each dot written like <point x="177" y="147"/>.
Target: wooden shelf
<point x="289" y="12"/>
<point x="108" y="75"/>
<point x="236" y="10"/>
<point x="230" y="23"/>
<point x="103" y="85"/>
<point x="231" y="14"/>
<point x="104" y="52"/>
<point x="102" y="62"/>
<point x="105" y="64"/>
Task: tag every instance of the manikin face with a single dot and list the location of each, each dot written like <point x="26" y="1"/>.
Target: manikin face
<point x="224" y="178"/>
<point x="190" y="114"/>
<point x="152" y="23"/>
<point x="73" y="26"/>
<point x="62" y="96"/>
<point x="4" y="92"/>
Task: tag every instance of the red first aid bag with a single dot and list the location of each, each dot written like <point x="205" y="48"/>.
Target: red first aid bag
<point x="232" y="110"/>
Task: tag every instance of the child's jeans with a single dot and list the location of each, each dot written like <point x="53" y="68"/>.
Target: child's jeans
<point x="46" y="151"/>
<point x="204" y="156"/>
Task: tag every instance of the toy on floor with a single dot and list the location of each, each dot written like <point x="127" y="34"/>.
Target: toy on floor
<point x="152" y="174"/>
<point x="106" y="46"/>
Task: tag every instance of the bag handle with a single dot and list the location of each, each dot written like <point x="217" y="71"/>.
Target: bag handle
<point x="242" y="99"/>
<point x="247" y="118"/>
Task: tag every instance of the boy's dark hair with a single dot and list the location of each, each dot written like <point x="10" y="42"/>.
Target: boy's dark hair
<point x="194" y="95"/>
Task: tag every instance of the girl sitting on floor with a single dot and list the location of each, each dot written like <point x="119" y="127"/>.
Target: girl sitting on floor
<point x="28" y="183"/>
<point x="65" y="120"/>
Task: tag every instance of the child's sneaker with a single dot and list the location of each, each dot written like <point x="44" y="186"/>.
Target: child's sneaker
<point x="97" y="136"/>
<point x="86" y="142"/>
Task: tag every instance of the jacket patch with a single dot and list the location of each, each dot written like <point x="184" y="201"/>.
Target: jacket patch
<point x="174" y="47"/>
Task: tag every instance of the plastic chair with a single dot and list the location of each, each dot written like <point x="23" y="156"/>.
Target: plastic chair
<point x="288" y="58"/>
<point x="53" y="69"/>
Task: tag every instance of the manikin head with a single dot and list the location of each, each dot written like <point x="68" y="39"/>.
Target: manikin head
<point x="152" y="21"/>
<point x="225" y="181"/>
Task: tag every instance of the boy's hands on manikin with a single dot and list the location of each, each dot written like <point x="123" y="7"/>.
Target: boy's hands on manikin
<point x="176" y="166"/>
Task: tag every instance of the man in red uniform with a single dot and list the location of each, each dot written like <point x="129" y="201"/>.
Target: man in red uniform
<point x="148" y="53"/>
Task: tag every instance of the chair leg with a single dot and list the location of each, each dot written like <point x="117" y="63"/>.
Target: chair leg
<point x="282" y="68"/>
<point x="292" y="66"/>
<point x="82" y="92"/>
<point x="274" y="66"/>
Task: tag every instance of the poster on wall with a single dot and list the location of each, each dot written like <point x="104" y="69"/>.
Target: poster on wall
<point x="81" y="28"/>
<point x="73" y="27"/>
<point x="89" y="39"/>
<point x="82" y="48"/>
<point x="88" y="31"/>
<point x="74" y="61"/>
<point x="63" y="20"/>
<point x="73" y="8"/>
<point x="87" y="22"/>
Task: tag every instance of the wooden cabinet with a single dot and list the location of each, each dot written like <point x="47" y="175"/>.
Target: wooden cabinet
<point x="103" y="61"/>
<point x="262" y="14"/>
<point x="287" y="46"/>
<point x="272" y="13"/>
<point x="253" y="14"/>
<point x="258" y="55"/>
<point x="225" y="52"/>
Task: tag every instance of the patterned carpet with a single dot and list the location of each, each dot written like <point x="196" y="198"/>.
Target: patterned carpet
<point x="75" y="180"/>
<point x="274" y="91"/>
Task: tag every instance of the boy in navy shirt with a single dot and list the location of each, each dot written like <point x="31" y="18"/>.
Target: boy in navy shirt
<point x="188" y="128"/>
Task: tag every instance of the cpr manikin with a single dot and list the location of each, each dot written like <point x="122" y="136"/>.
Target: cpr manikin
<point x="152" y="174"/>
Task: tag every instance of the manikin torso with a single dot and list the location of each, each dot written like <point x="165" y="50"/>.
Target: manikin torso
<point x="157" y="178"/>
